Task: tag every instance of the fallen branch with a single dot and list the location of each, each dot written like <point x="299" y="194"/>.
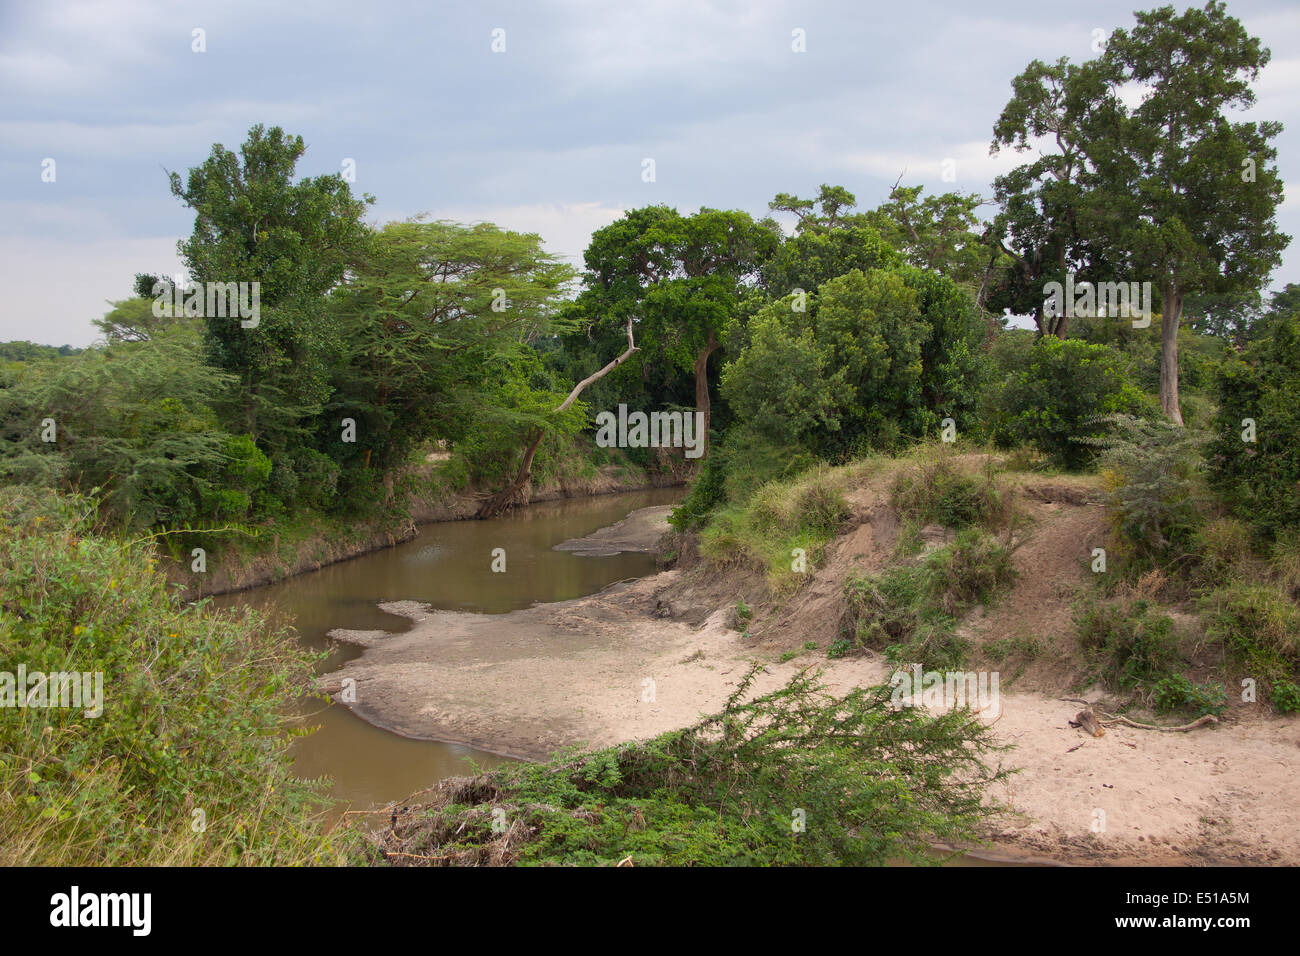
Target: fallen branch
<point x="1085" y="718"/>
<point x="1207" y="720"/>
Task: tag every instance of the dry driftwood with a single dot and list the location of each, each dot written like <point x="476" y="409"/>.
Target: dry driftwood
<point x="1096" y="722"/>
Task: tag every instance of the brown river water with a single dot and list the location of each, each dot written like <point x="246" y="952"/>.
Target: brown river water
<point x="448" y="566"/>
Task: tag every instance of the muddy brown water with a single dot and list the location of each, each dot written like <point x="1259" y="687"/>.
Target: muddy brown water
<point x="448" y="565"/>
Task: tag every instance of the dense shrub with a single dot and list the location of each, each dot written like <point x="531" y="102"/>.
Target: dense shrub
<point x="940" y="491"/>
<point x="192" y="710"/>
<point x="1151" y="473"/>
<point x="1259" y="627"/>
<point x="1057" y="397"/>
<point x="1260" y="480"/>
<point x="1128" y="643"/>
<point x="870" y="783"/>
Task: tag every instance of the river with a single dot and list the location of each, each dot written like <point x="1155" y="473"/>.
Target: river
<point x="448" y="566"/>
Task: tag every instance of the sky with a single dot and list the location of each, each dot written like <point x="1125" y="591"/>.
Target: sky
<point x="549" y="135"/>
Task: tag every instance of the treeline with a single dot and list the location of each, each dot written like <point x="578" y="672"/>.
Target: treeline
<point x="374" y="346"/>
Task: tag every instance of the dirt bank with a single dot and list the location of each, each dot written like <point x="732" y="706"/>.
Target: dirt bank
<point x="651" y="655"/>
<point x="603" y="669"/>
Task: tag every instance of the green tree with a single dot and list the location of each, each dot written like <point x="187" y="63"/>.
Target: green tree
<point x="679" y="279"/>
<point x="436" y="324"/>
<point x="1170" y="190"/>
<point x="1057" y="393"/>
<point x="1254" y="457"/>
<point x="253" y="223"/>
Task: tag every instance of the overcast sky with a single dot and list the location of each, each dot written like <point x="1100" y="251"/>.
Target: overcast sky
<point x="548" y="136"/>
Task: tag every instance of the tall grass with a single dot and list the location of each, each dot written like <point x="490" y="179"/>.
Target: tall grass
<point x="188" y="762"/>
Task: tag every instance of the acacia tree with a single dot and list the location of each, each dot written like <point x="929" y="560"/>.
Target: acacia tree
<point x="1168" y="191"/>
<point x="435" y="323"/>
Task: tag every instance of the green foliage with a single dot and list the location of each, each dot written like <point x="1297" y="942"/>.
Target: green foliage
<point x="939" y="491"/>
<point x="1260" y="480"/>
<point x="912" y="611"/>
<point x="869" y="783"/>
<point x="192" y="710"/>
<point x="253" y="223"/>
<point x="804" y="512"/>
<point x="1151" y="472"/>
<point x="1059" y="397"/>
<point x="1177" y="693"/>
<point x="1259" y="627"/>
<point x="1128" y="643"/>
<point x="135" y="420"/>
<point x="1286" y="697"/>
<point x="845" y="374"/>
<point x="736" y="467"/>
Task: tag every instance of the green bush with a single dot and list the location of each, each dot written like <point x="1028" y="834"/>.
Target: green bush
<point x="1128" y="643"/>
<point x="796" y="778"/>
<point x="1260" y="480"/>
<point x="940" y="492"/>
<point x="192" y="711"/>
<point x="911" y="612"/>
<point x="1058" y="396"/>
<point x="1151" y="473"/>
<point x="803" y="512"/>
<point x="1177" y="693"/>
<point x="1259" y="626"/>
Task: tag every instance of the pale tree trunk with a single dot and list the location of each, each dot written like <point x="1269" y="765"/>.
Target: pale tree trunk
<point x="702" y="384"/>
<point x="508" y="496"/>
<point x="1171" y="316"/>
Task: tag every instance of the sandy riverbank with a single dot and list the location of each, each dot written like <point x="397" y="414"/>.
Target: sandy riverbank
<point x="611" y="667"/>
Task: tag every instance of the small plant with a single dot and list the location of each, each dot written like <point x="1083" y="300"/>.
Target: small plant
<point x="1178" y="693"/>
<point x="911" y="612"/>
<point x="1019" y="647"/>
<point x="1128" y="643"/>
<point x="939" y="492"/>
<point x="1258" y="626"/>
<point x="743" y="611"/>
<point x="1286" y="697"/>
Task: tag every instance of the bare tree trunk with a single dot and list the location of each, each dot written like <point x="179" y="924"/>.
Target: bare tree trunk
<point x="1171" y="316"/>
<point x="508" y="496"/>
<point x="702" y="383"/>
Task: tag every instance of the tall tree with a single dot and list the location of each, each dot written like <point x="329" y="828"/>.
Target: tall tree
<point x="679" y="279"/>
<point x="1197" y="193"/>
<point x="253" y="223"/>
<point x="1169" y="190"/>
<point x="1064" y="107"/>
<point x="430" y="317"/>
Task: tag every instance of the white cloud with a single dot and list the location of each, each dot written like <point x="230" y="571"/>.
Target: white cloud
<point x="55" y="289"/>
<point x="565" y="228"/>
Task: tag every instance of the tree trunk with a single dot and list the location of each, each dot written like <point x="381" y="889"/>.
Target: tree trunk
<point x="1171" y="316"/>
<point x="508" y="496"/>
<point x="702" y="384"/>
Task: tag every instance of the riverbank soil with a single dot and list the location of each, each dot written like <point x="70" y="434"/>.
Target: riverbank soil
<point x="651" y="655"/>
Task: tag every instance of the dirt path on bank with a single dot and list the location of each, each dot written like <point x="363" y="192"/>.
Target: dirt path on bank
<point x="623" y="664"/>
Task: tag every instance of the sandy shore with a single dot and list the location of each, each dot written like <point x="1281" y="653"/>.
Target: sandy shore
<point x="623" y="665"/>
